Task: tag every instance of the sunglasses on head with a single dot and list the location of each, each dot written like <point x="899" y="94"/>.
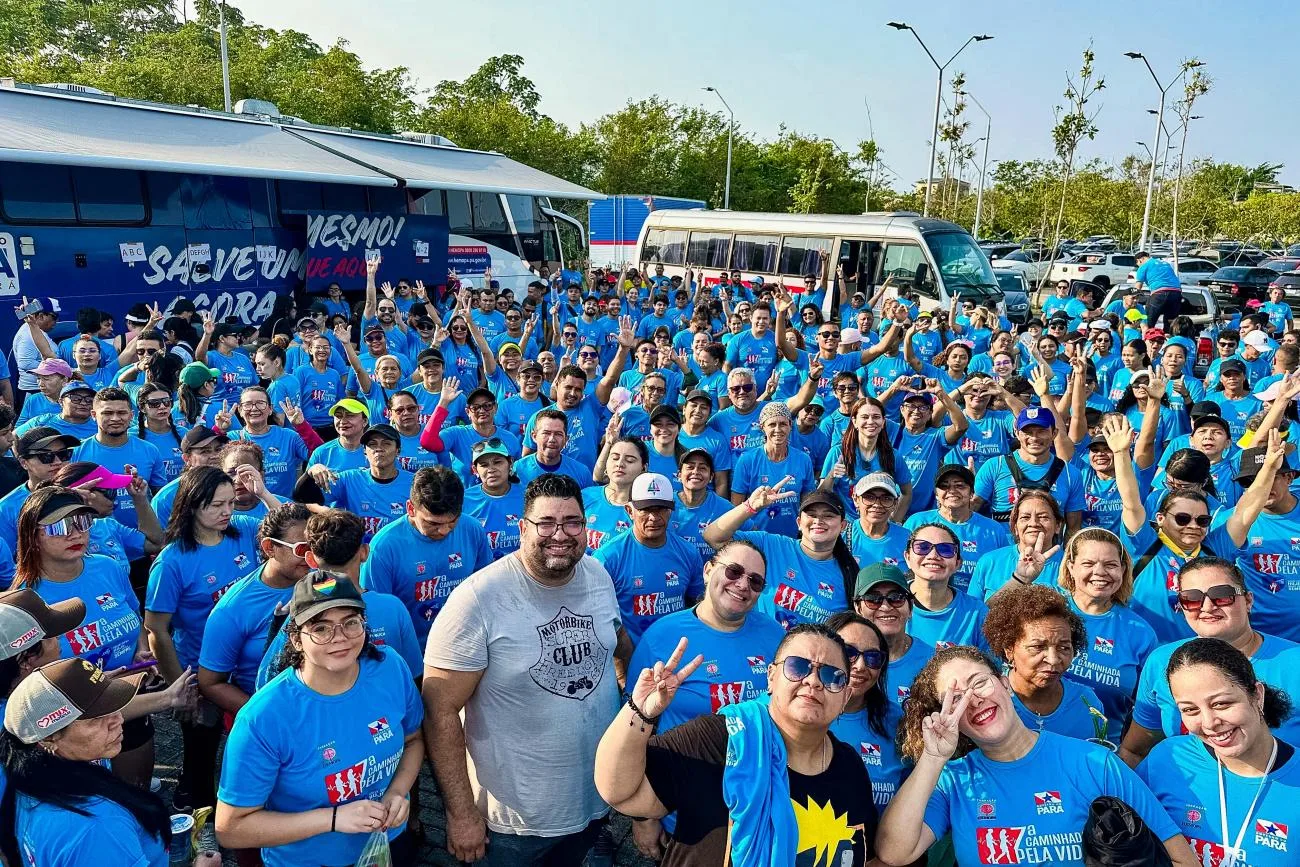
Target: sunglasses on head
<point x="493" y="443"/>
<point x="47" y="458"/>
<point x="735" y="572"/>
<point x="1220" y="596"/>
<point x="922" y="548"/>
<point x="894" y="599"/>
<point x="796" y="670"/>
<point x="78" y="523"/>
<point x="872" y="659"/>
<point x="1182" y="519"/>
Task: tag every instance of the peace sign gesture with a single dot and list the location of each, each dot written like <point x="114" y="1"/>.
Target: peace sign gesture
<point x="939" y="730"/>
<point x="655" y="687"/>
<point x="292" y="412"/>
<point x="765" y="495"/>
<point x="1033" y="558"/>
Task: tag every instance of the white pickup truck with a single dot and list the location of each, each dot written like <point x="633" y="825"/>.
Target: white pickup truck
<point x="1104" y="269"/>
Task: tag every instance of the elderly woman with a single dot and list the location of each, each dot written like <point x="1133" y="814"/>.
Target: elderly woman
<point x="1036" y="522"/>
<point x="874" y="537"/>
<point x="1007" y="794"/>
<point x="1034" y="632"/>
<point x="773" y="461"/>
<point x="742" y="780"/>
<point x="1097" y="577"/>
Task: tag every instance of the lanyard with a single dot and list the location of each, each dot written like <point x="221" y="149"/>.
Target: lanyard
<point x="1231" y="855"/>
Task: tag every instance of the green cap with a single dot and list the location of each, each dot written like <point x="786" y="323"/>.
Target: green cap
<point x="879" y="573"/>
<point x="196" y="374"/>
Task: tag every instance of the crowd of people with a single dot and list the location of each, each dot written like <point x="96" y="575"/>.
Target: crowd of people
<point x="790" y="575"/>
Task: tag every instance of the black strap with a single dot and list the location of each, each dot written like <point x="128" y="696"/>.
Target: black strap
<point x="1147" y="556"/>
<point x="277" y="623"/>
<point x="1044" y="484"/>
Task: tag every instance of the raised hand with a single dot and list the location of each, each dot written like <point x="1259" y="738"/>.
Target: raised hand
<point x="209" y="323"/>
<point x="387" y="289"/>
<point x="816" y="367"/>
<point x="138" y="487"/>
<point x="450" y="391"/>
<point x="291" y="411"/>
<point x="940" y="731"/>
<point x="656" y="687"/>
<point x="1041" y="381"/>
<point x="248" y="476"/>
<point x="1033" y="558"/>
<point x="765" y="495"/>
<point x="343" y="332"/>
<point x="323" y="476"/>
<point x="420" y="291"/>
<point x="372" y="267"/>
<point x="1156" y="387"/>
<point x="1118" y="433"/>
<point x="223" y="417"/>
<point x="615" y="427"/>
<point x="626" y="333"/>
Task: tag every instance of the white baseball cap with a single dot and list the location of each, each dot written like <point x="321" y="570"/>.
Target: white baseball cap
<point x="652" y="490"/>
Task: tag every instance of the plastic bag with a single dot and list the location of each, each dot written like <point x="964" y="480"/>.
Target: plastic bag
<point x="376" y="853"/>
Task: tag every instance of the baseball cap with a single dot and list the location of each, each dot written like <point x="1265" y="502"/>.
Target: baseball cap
<point x="53" y="366"/>
<point x="1153" y="334"/>
<point x="480" y="392"/>
<point x="1059" y="316"/>
<point x="39" y="304"/>
<point x="875" y="574"/>
<point x="1270" y="392"/>
<point x="652" y="490"/>
<point x="850" y="336"/>
<point x="487" y="448"/>
<point x="877" y="482"/>
<point x="196" y="374"/>
<point x="351" y="405"/>
<point x="373" y="329"/>
<point x="1231" y="364"/>
<point x="26" y="619"/>
<point x="530" y="367"/>
<point x="1099" y="325"/>
<point x="1035" y="415"/>
<point x="429" y="354"/>
<point x="55" y="696"/>
<point x="387" y="431"/>
<point x="1199" y="421"/>
<point x="200" y="434"/>
<point x="668" y="411"/>
<point x="425" y="322"/>
<point x="955" y="470"/>
<point x="100" y="477"/>
<point x="74" y="386"/>
<point x="227" y="329"/>
<point x="60" y="506"/>
<point x="307" y="322"/>
<point x="1252" y="461"/>
<point x="691" y="454"/>
<point x="501" y="350"/>
<point x="41" y="438"/>
<point x="821" y="498"/>
<point x="1257" y="339"/>
<point x="320" y="590"/>
<point x="699" y="394"/>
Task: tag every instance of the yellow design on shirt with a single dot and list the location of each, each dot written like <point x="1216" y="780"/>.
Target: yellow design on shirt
<point x="821" y="830"/>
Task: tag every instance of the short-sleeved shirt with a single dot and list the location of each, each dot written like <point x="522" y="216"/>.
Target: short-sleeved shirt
<point x="994" y="572"/>
<point x="377" y="502"/>
<point x="337" y="457"/>
<point x="1156" y="274"/>
<point x="888" y="549"/>
<point x="754" y="469"/>
<point x="1155" y="586"/>
<point x="1079" y="714"/>
<point x="995" y="485"/>
<point x="237" y="632"/>
<point x="1118" y="643"/>
<point x="961" y="621"/>
<point x="50" y="836"/>
<point x="498" y="515"/>
<point x="586" y="427"/>
<point x="977" y="535"/>
<point x="799" y="588"/>
<point x="110" y="633"/>
<point x="651" y="582"/>
<point x="237" y="374"/>
<point x="1270" y="560"/>
<point x="690" y="523"/>
<point x="283" y="454"/>
<point x="878" y="752"/>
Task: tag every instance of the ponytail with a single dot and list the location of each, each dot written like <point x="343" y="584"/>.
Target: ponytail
<point x="848" y="566"/>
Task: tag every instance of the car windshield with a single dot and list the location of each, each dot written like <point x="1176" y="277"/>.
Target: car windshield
<point x="963" y="267"/>
<point x="1231" y="273"/>
<point x="1015" y="257"/>
<point x="1010" y="281"/>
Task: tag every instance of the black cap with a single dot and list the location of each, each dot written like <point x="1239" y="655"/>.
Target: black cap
<point x="480" y="392"/>
<point x="699" y="394"/>
<point x="530" y="366"/>
<point x="424" y="322"/>
<point x="664" y="410"/>
<point x="955" y="470"/>
<point x="821" y="498"/>
<point x="42" y="438"/>
<point x="387" y="431"/>
<point x="200" y="434"/>
<point x="689" y="454"/>
<point x="321" y="590"/>
<point x="430" y="354"/>
<point x="1204" y="407"/>
<point x="227" y="329"/>
<point x="1199" y="421"/>
<point x="61" y="505"/>
<point x="1252" y="461"/>
<point x="1232" y="364"/>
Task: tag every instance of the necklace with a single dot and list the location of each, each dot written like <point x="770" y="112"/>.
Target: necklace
<point x="1234" y="854"/>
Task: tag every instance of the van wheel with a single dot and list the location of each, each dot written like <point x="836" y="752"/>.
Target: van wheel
<point x="1101" y="282"/>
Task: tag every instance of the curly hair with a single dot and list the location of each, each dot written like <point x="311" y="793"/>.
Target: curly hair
<point x="927" y="698"/>
<point x="1016" y="606"/>
<point x="1106" y="537"/>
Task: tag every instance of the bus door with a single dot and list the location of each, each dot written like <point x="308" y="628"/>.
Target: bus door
<point x="855" y="266"/>
<point x="906" y="262"/>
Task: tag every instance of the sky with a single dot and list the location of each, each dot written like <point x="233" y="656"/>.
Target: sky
<point x="833" y="68"/>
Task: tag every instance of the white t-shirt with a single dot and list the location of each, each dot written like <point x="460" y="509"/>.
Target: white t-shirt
<point x="27" y="357"/>
<point x="547" y="694"/>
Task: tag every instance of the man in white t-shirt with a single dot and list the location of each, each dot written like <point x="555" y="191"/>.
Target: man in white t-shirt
<point x="525" y="648"/>
<point x="31" y="345"/>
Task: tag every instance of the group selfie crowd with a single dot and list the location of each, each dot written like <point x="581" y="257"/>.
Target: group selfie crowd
<point x="790" y="574"/>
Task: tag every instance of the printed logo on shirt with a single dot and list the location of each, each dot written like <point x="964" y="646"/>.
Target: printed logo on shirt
<point x="454" y="561"/>
<point x="904" y="693"/>
<point x="757" y="664"/>
<point x="1295" y="543"/>
<point x="1256" y="541"/>
<point x="999" y="845"/>
<point x="1267" y="564"/>
<point x="84" y="639"/>
<point x="572" y="659"/>
<point x="943" y="645"/>
<point x="1270" y="834"/>
<point x="672" y="579"/>
<point x="346" y="784"/>
<point x="241" y="560"/>
<point x="380" y="731"/>
<point x="426" y="590"/>
<point x="870" y="753"/>
<point x="1103" y="645"/>
<point x="1194" y="815"/>
<point x="217" y="594"/>
<point x="722" y="694"/>
<point x="594" y="537"/>
<point x="328" y="753"/>
<point x="1048" y="803"/>
<point x="824" y="589"/>
<point x="1207" y="853"/>
<point x="787" y="597"/>
<point x="106" y="601"/>
<point x="968" y="546"/>
<point x="646" y="604"/>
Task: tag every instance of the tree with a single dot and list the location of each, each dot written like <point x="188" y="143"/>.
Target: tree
<point x="78" y="29"/>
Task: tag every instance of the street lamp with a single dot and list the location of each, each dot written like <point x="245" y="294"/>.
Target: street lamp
<point x="731" y="128"/>
<point x="1160" y="120"/>
<point x="938" y="97"/>
<point x="988" y="134"/>
<point x="225" y="61"/>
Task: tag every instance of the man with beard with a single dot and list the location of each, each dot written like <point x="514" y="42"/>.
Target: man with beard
<point x="115" y="449"/>
<point x="538" y="629"/>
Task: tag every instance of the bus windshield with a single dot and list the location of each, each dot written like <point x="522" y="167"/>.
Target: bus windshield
<point x="963" y="267"/>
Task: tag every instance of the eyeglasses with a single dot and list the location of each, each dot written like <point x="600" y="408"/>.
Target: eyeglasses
<point x="323" y="633"/>
<point x="387" y="309"/>
<point x="254" y="404"/>
<point x="78" y="523"/>
<point x="983" y="686"/>
<point x="796" y="670"/>
<point x="146" y="351"/>
<point x="81" y="398"/>
<point x="894" y="599"/>
<point x="589" y="355"/>
<point x="374" y="338"/>
<point x="743" y="388"/>
<point x="828" y="334"/>
<point x="1182" y="519"/>
<point x="298" y="549"/>
<point x="922" y="548"/>
<point x="735" y="572"/>
<point x="1220" y="596"/>
<point x="481" y="406"/>
<point x="546" y="529"/>
<point x="845" y="388"/>
<point x="491" y="443"/>
<point x="47" y="458"/>
<point x="158" y="402"/>
<point x="872" y="659"/>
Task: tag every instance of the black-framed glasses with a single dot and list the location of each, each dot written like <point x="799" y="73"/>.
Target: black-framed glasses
<point x="78" y="523"/>
<point x="872" y="659"/>
<point x="1182" y="519"/>
<point x="158" y="402"/>
<point x="47" y="458"/>
<point x="893" y="599"/>
<point x="923" y="547"/>
<point x="585" y="354"/>
<point x="323" y="633"/>
<point x="796" y="670"/>
<point x="481" y="406"/>
<point x="743" y="388"/>
<point x="1220" y="596"/>
<point x="547" y="529"/>
<point x="736" y="572"/>
<point x="828" y="334"/>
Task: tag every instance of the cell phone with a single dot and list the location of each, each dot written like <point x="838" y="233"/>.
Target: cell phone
<point x="140" y="666"/>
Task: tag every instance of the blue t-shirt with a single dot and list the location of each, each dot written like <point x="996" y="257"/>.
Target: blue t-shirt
<point x="1032" y="810"/>
<point x="110" y="634"/>
<point x="146" y="459"/>
<point x="293" y="750"/>
<point x="815" y="444"/>
<point x="1079" y="715"/>
<point x="993" y="572"/>
<point x="690" y="523"/>
<point x="319" y="391"/>
<point x="1155" y="588"/>
<point x="879" y="753"/>
<point x="337" y="457"/>
<point x="168" y="445"/>
<point x="903" y="671"/>
<point x="1184" y="775"/>
<point x="283" y="455"/>
<point x="1110" y="662"/>
<point x="985" y="438"/>
<point x="739" y="431"/>
<point x="995" y="485"/>
<point x="712" y="442"/>
<point x="1157" y="274"/>
<point x="283" y="388"/>
<point x="1102" y="506"/>
<point x="110" y="538"/>
<point x="881" y="374"/>
<point x="236" y="635"/>
<point x="498" y="515"/>
<point x="977" y="535"/>
<point x="755" y="469"/>
<point x="515" y="411"/>
<point x="922" y="452"/>
<point x="799" y="588"/>
<point x="49" y="836"/>
<point x="651" y="582"/>
<point x="1236" y="412"/>
<point x="605" y="521"/>
<point x="421" y="572"/>
<point x="843" y="486"/>
<point x="961" y="621"/>
<point x="888" y="549"/>
<point x="377" y="502"/>
<point x="491" y="323"/>
<point x="530" y="467"/>
<point x="188" y="583"/>
<point x="458" y="444"/>
<point x="237" y="374"/>
<point x="83" y="430"/>
<point x="1270" y="560"/>
<point x="586" y="428"/>
<point x="759" y="354"/>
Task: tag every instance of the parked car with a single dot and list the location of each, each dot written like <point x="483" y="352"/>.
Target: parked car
<point x="1191" y="272"/>
<point x="1030" y="263"/>
<point x="1015" y="292"/>
<point x="1281" y="264"/>
<point x="1199" y="304"/>
<point x="1289" y="283"/>
<point x="998" y="249"/>
<point x="1240" y="284"/>
<point x="1103" y="269"/>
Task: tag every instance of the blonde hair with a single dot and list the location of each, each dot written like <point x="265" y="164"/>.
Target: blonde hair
<point x="1098" y="534"/>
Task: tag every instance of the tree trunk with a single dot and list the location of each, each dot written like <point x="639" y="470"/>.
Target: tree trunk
<point x="1060" y="216"/>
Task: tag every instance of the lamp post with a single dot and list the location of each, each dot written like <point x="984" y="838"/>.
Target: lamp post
<point x="225" y="61"/>
<point x="988" y="134"/>
<point x="938" y="97"/>
<point x="731" y="128"/>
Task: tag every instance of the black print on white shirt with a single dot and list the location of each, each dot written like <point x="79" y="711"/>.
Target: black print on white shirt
<point x="572" y="659"/>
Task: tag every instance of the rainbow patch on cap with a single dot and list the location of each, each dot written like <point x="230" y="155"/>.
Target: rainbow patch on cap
<point x="326" y="585"/>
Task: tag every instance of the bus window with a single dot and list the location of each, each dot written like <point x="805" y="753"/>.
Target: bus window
<point x="709" y="249"/>
<point x="489" y="216"/>
<point x="32" y="193"/>
<point x="298" y="196"/>
<point x="217" y="202"/>
<point x="343" y="197"/>
<point x="665" y="247"/>
<point x="901" y="262"/>
<point x="388" y="200"/>
<point x="526" y="214"/>
<point x="755" y="253"/>
<point x="429" y="203"/>
<point x="108" y="195"/>
<point x="165" y="198"/>
<point x="458" y="215"/>
<point x="800" y="256"/>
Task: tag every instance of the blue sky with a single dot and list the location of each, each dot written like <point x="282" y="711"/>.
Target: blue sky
<point x="810" y="65"/>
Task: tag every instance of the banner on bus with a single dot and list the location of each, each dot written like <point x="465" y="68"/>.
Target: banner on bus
<point x="410" y="247"/>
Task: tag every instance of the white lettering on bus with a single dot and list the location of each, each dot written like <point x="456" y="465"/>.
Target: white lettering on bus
<point x="235" y="263"/>
<point x="345" y="231"/>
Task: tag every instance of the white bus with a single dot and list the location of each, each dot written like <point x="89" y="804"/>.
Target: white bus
<point x="935" y="258"/>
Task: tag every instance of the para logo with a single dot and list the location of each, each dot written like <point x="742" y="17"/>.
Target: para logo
<point x="1103" y="645"/>
<point x="1048" y="803"/>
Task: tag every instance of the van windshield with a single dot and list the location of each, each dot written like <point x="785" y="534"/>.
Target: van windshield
<point x="963" y="267"/>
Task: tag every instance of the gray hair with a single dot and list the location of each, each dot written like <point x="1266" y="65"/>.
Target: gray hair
<point x="740" y="373"/>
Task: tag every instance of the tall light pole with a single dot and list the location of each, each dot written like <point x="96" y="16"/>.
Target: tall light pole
<point x="871" y="169"/>
<point x="938" y="97"/>
<point x="225" y="60"/>
<point x="988" y="134"/>
<point x="731" y="129"/>
<point x="1160" y="121"/>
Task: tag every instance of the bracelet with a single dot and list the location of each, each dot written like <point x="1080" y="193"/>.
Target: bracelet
<point x="1020" y="580"/>
<point x="650" y="721"/>
<point x="334" y="817"/>
<point x="752" y="510"/>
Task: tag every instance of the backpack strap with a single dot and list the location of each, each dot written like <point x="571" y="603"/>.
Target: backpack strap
<point x="1147" y="556"/>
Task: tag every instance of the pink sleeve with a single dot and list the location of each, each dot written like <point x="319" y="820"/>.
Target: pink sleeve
<point x="429" y="439"/>
<point x="309" y="436"/>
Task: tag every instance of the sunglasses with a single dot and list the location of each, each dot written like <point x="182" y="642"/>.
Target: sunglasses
<point x="922" y="548"/>
<point x="78" y="523"/>
<point x="736" y="572"/>
<point x="589" y="355"/>
<point x="47" y="458"/>
<point x="872" y="659"/>
<point x="796" y="670"/>
<point x="894" y="599"/>
<point x="492" y="443"/>
<point x="744" y="388"/>
<point x="1182" y="519"/>
<point x="1220" y="595"/>
<point x="158" y="402"/>
<point x="298" y="549"/>
<point x="828" y="334"/>
<point x="374" y="338"/>
<point x="480" y="407"/>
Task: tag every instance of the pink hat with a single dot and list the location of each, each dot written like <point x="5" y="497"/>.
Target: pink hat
<point x="53" y="366"/>
<point x="99" y="477"/>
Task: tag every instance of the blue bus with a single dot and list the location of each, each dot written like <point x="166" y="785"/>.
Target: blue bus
<point x="105" y="202"/>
